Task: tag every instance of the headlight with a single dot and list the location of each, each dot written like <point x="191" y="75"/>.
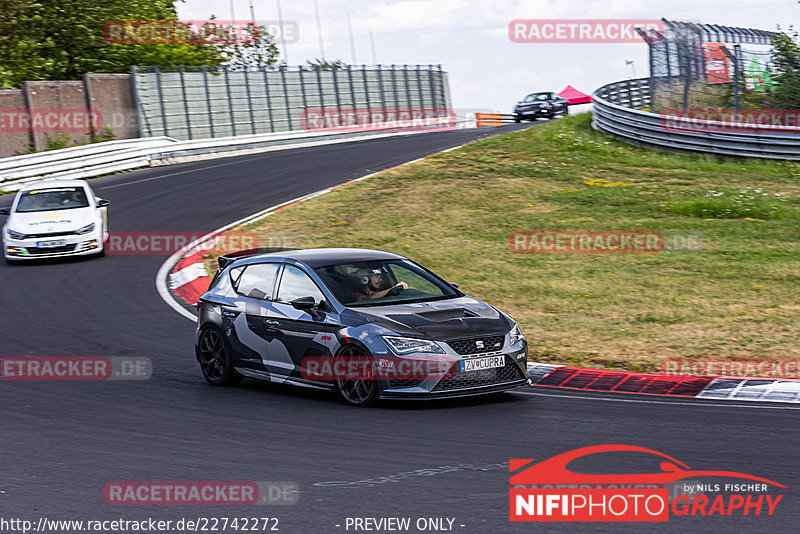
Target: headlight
<point x="407" y="345"/>
<point x="515" y="336"/>
<point x="86" y="229"/>
<point x="16" y="235"/>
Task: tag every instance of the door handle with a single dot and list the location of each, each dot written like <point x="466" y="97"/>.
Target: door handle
<point x="271" y="322"/>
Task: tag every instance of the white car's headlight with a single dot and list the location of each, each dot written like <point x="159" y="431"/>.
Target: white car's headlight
<point x="515" y="335"/>
<point x="15" y="235"/>
<point x="407" y="345"/>
<point x="85" y="230"/>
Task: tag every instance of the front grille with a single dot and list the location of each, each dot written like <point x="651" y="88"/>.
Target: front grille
<point x="404" y="383"/>
<point x="33" y="251"/>
<point x="455" y="379"/>
<point x="477" y="345"/>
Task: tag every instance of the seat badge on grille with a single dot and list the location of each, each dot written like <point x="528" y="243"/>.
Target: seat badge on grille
<point x="479" y="344"/>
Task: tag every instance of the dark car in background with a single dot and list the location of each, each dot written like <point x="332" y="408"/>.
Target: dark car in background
<point x="544" y="104"/>
<point x="303" y="317"/>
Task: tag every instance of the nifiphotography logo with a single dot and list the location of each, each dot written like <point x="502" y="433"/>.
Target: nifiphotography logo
<point x="549" y="491"/>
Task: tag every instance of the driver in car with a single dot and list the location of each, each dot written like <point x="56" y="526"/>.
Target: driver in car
<point x="372" y="280"/>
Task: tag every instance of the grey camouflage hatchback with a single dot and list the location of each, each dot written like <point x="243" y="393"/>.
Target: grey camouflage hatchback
<point x="368" y="324"/>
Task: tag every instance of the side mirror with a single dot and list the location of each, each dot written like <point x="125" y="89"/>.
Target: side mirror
<point x="102" y="203"/>
<point x="303" y="303"/>
<point x="5" y="211"/>
<point x="455" y="285"/>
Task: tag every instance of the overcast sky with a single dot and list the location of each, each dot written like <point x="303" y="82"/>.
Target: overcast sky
<point x="469" y="38"/>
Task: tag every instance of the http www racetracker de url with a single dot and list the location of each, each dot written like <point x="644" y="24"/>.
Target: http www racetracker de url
<point x="45" y="525"/>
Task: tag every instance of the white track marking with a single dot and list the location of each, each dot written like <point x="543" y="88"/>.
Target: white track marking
<point x="164" y="272"/>
<point x="643" y="401"/>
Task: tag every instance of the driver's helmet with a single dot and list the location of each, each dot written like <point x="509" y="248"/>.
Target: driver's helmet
<point x="365" y="273"/>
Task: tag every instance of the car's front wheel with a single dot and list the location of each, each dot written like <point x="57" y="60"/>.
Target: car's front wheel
<point x="361" y="389"/>
<point x="215" y="358"/>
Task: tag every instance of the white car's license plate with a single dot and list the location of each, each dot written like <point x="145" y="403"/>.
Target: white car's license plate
<point x="51" y="244"/>
<point x="476" y="364"/>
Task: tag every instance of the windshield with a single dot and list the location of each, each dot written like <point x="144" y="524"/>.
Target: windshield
<point x="537" y="96"/>
<point x="62" y="198"/>
<point x="377" y="283"/>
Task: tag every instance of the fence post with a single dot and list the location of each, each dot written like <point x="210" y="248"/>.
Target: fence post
<point x="230" y="101"/>
<point x="141" y="116"/>
<point x="394" y="89"/>
<point x="419" y="90"/>
<point x="208" y="102"/>
<point x="732" y="58"/>
<point x="185" y="103"/>
<point x="303" y="93"/>
<point x="269" y="101"/>
<point x="366" y="93"/>
<point x="408" y="90"/>
<point x="433" y="91"/>
<point x="249" y="100"/>
<point x="737" y="74"/>
<point x="380" y="89"/>
<point x="161" y="102"/>
<point x="286" y="98"/>
<point x="321" y="95"/>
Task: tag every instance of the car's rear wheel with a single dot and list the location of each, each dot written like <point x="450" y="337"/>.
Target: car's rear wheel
<point x="215" y="358"/>
<point x="363" y="389"/>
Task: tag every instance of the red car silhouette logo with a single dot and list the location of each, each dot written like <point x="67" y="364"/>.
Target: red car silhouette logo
<point x="554" y="470"/>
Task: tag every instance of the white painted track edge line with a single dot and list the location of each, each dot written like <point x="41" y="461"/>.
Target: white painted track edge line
<point x="164" y="271"/>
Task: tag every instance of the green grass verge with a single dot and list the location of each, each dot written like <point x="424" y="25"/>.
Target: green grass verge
<point x="737" y="297"/>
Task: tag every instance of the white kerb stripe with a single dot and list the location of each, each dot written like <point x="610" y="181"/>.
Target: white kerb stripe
<point x="187" y="274"/>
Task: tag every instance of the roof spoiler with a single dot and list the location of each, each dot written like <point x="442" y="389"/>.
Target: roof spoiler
<point x="227" y="259"/>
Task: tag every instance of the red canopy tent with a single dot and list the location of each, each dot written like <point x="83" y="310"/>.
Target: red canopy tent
<point x="574" y="96"/>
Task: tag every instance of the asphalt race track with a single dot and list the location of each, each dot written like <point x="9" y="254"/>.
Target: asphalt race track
<point x="62" y="442"/>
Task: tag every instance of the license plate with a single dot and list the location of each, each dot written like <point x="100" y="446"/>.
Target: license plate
<point x="528" y="112"/>
<point x="51" y="244"/>
<point x="476" y="364"/>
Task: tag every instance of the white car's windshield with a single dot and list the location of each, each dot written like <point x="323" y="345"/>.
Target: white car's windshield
<point x="383" y="282"/>
<point x="61" y="198"/>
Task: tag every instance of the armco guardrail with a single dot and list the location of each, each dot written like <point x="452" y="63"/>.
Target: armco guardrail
<point x="615" y="113"/>
<point x="493" y="119"/>
<point x="115" y="156"/>
<point x="80" y="161"/>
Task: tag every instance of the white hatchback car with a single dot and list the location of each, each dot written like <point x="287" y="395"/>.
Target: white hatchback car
<point x="54" y="218"/>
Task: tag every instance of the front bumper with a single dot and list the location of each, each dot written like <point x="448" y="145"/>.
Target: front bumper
<point x="534" y="112"/>
<point x="456" y="383"/>
<point x="69" y="245"/>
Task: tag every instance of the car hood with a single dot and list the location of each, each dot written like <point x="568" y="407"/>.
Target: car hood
<point x="43" y="222"/>
<point x="440" y="320"/>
